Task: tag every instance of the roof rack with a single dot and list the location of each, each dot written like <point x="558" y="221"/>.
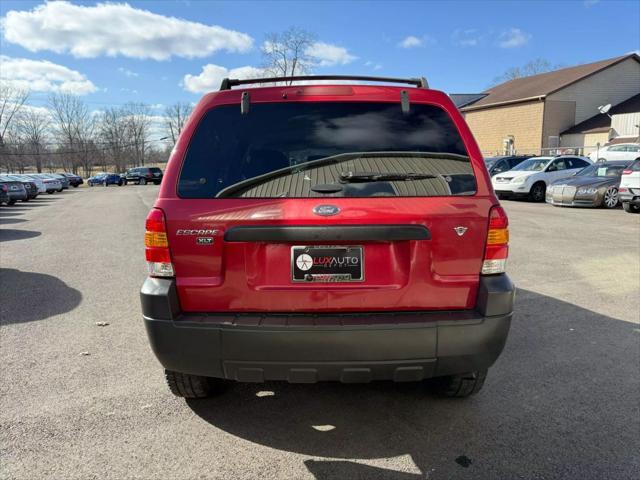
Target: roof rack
<point x="227" y="83"/>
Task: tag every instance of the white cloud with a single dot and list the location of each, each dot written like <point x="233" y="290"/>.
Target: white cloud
<point x="467" y="38"/>
<point x="211" y="77"/>
<point x="328" y="55"/>
<point x="411" y="42"/>
<point x="116" y="29"/>
<point x="373" y="65"/>
<point x="126" y="72"/>
<point x="43" y="76"/>
<point x="513" y="38"/>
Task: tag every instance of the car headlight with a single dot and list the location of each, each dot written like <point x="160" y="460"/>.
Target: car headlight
<point x="518" y="180"/>
<point x="587" y="190"/>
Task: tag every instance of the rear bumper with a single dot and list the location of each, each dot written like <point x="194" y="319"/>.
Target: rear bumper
<point x="13" y="195"/>
<point x="306" y="348"/>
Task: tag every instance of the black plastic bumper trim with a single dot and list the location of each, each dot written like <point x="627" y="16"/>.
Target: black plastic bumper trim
<point x="354" y="347"/>
<point x="315" y="233"/>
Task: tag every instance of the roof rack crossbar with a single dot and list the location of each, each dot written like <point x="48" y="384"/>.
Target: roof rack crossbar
<point x="227" y="83"/>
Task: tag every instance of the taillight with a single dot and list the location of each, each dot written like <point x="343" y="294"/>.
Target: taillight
<point x="157" y="245"/>
<point x="497" y="248"/>
<point x="627" y="171"/>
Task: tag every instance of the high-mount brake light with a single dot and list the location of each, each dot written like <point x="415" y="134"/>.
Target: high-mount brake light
<point x="497" y="248"/>
<point x="157" y="245"/>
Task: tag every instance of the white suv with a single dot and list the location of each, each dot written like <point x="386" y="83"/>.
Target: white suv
<point x="620" y="151"/>
<point x="530" y="178"/>
<point x="629" y="191"/>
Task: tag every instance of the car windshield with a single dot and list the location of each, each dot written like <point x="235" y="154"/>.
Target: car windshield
<point x="533" y="165"/>
<point x="292" y="149"/>
<point x="490" y="161"/>
<point x="602" y="170"/>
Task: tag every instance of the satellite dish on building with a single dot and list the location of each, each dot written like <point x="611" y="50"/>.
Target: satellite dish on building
<point x="604" y="108"/>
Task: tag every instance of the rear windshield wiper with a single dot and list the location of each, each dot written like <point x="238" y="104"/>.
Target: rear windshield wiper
<point x="338" y="158"/>
<point x="358" y="177"/>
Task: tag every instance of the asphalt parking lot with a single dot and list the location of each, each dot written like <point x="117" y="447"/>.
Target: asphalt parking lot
<point x="561" y="402"/>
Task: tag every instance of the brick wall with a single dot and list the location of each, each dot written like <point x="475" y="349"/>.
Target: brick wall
<point x="524" y="121"/>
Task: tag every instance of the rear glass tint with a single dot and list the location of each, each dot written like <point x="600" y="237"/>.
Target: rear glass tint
<point x="315" y="149"/>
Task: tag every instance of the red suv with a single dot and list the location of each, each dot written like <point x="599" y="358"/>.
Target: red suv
<point x="326" y="232"/>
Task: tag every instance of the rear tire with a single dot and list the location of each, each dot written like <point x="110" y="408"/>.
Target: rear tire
<point x="538" y="192"/>
<point x="189" y="386"/>
<point x="610" y="198"/>
<point x="460" y="386"/>
<point x="631" y="208"/>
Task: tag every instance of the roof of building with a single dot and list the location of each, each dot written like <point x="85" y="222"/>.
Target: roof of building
<point x="462" y="99"/>
<point x="602" y="122"/>
<point x="541" y="85"/>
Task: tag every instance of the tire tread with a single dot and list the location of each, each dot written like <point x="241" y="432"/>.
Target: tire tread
<point x="463" y="385"/>
<point x="187" y="386"/>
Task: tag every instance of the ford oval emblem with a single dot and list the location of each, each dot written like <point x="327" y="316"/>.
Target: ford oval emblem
<point x="326" y="210"/>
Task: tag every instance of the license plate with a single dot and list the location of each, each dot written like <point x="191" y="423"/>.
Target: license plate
<point x="327" y="264"/>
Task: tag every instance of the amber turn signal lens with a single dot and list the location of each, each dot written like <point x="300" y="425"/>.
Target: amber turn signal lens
<point x="498" y="236"/>
<point x="155" y="239"/>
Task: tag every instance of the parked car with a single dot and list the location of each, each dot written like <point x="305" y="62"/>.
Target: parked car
<point x="4" y="193"/>
<point x="29" y="185"/>
<point x="501" y="164"/>
<point x="15" y="190"/>
<point x="29" y="178"/>
<point x="58" y="182"/>
<point x="143" y="175"/>
<point x="619" y="151"/>
<point x="594" y="186"/>
<point x="63" y="180"/>
<point x="74" y="180"/>
<point x="105" y="179"/>
<point x="629" y="190"/>
<point x="530" y="178"/>
<point x="51" y="184"/>
<point x="343" y="237"/>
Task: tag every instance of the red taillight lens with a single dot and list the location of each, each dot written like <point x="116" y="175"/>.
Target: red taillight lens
<point x="156" y="245"/>
<point x="497" y="248"/>
<point x="627" y="171"/>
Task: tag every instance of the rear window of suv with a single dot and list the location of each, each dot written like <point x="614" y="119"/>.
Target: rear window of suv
<point x="315" y="149"/>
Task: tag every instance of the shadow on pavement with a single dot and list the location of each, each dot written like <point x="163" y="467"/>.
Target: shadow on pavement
<point x="7" y="221"/>
<point x="7" y="234"/>
<point x="560" y="402"/>
<point x="29" y="296"/>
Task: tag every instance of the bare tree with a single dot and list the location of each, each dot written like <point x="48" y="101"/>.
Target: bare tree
<point x="114" y="135"/>
<point x="138" y="122"/>
<point x="11" y="101"/>
<point x="285" y="54"/>
<point x="534" y="67"/>
<point x="176" y="116"/>
<point x="74" y="125"/>
<point x="33" y="125"/>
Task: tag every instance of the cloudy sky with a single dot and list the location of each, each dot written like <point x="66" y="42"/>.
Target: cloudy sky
<point x="160" y="52"/>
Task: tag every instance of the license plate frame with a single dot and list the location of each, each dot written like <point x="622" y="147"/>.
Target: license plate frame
<point x="334" y="264"/>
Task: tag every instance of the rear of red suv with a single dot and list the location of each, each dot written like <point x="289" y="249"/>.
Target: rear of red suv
<point x="326" y="233"/>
